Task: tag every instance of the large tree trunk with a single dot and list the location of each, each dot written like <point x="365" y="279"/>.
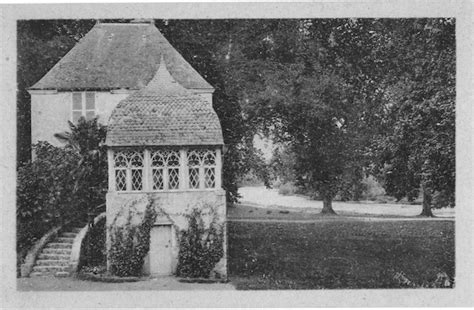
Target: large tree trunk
<point x="327" y="207"/>
<point x="427" y="197"/>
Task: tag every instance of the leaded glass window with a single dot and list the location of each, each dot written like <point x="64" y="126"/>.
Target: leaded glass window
<point x="165" y="169"/>
<point x="128" y="166"/>
<point x="202" y="168"/>
<point x="194" y="162"/>
<point x="161" y="169"/>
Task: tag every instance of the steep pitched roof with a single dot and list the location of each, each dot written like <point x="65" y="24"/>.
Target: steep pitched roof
<point x="164" y="113"/>
<point x="113" y="56"/>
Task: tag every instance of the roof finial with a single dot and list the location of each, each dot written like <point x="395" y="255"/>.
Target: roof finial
<point x="163" y="82"/>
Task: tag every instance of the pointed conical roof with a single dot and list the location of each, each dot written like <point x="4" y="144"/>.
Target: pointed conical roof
<point x="163" y="113"/>
<point x="113" y="56"/>
<point x="164" y="83"/>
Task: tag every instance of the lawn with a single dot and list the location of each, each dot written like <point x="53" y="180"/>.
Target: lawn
<point x="339" y="254"/>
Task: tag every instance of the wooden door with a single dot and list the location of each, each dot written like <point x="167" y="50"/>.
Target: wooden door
<point x="160" y="250"/>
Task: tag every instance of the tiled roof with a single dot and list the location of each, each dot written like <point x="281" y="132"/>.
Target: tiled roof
<point x="162" y="114"/>
<point x="113" y="56"/>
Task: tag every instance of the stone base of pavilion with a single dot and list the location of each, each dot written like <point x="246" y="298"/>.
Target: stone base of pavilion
<point x="172" y="208"/>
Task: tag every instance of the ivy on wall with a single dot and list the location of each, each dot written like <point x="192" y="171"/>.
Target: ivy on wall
<point x="200" y="247"/>
<point x="130" y="243"/>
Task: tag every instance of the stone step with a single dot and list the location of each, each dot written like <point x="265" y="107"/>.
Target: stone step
<point x="64" y="240"/>
<point x="48" y="269"/>
<point x="64" y="251"/>
<point x="76" y="229"/>
<point x="59" y="245"/>
<point x="61" y="274"/>
<point x="68" y="235"/>
<point x="54" y="256"/>
<point x="52" y="262"/>
<point x="40" y="274"/>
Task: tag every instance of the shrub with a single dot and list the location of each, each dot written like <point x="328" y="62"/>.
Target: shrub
<point x="373" y="189"/>
<point x="200" y="248"/>
<point x="287" y="189"/>
<point x="130" y="243"/>
<point x="61" y="184"/>
<point x="93" y="249"/>
<point x="45" y="193"/>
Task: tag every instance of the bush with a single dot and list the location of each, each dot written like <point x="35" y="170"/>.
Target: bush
<point x="61" y="184"/>
<point x="93" y="249"/>
<point x="287" y="189"/>
<point x="373" y="190"/>
<point x="130" y="243"/>
<point x="45" y="194"/>
<point x="200" y="248"/>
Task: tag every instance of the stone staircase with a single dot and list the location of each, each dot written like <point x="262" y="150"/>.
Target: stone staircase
<point x="55" y="256"/>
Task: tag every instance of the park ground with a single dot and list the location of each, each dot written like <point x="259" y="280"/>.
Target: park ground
<point x="281" y="242"/>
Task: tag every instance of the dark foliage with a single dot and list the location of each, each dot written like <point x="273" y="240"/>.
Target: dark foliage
<point x="61" y="185"/>
<point x="45" y="193"/>
<point x="129" y="244"/>
<point x="87" y="138"/>
<point x="93" y="250"/>
<point x="200" y="248"/>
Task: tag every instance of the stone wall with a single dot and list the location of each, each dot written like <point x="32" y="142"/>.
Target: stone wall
<point x="49" y="115"/>
<point x="172" y="207"/>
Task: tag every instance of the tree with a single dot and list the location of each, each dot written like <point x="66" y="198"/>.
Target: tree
<point x="318" y="121"/>
<point x="417" y="148"/>
<point x="403" y="77"/>
<point x="87" y="139"/>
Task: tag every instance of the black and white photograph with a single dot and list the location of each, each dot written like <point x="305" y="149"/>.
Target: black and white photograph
<point x="213" y="154"/>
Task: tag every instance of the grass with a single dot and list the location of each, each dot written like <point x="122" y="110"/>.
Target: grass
<point x="274" y="213"/>
<point x="338" y="254"/>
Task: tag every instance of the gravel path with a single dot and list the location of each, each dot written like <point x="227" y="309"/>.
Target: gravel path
<point x="73" y="284"/>
<point x="263" y="197"/>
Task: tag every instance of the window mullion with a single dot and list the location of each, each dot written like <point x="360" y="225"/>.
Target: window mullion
<point x="183" y="169"/>
<point x="129" y="177"/>
<point x="165" y="177"/>
<point x="201" y="176"/>
<point x="111" y="162"/>
<point x="218" y="168"/>
<point x="147" y="175"/>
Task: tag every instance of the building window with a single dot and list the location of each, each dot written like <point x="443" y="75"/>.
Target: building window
<point x="128" y="168"/>
<point x="165" y="169"/>
<point x="83" y="104"/>
<point x="202" y="168"/>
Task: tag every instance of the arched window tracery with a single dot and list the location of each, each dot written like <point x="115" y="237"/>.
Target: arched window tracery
<point x="128" y="166"/>
<point x="164" y="169"/>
